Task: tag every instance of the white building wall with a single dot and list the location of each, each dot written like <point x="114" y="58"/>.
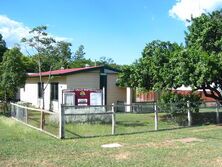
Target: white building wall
<point x="30" y="93"/>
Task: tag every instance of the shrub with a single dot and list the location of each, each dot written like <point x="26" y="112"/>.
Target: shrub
<point x="176" y="105"/>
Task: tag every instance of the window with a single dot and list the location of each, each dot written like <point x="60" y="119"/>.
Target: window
<point x="54" y="91"/>
<point x="40" y="88"/>
<point x="69" y="99"/>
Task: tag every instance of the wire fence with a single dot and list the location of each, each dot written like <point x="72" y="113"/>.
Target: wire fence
<point x="42" y="120"/>
<point x="91" y="121"/>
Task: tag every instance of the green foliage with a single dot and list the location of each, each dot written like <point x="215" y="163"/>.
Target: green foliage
<point x="12" y="72"/>
<point x="3" y="47"/>
<point x="200" y="65"/>
<point x="79" y="63"/>
<point x="79" y="54"/>
<point x="166" y="65"/>
<point x="30" y="64"/>
<point x="177" y="103"/>
<point x="154" y="71"/>
<point x="108" y="61"/>
<point x="205" y="33"/>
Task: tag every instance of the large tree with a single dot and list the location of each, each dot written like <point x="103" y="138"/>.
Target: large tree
<point x="12" y="73"/>
<point x="155" y="70"/>
<point x="201" y="62"/>
<point x="166" y="65"/>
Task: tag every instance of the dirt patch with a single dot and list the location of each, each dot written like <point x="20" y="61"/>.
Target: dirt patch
<point x="188" y="140"/>
<point x="213" y="162"/>
<point x="122" y="156"/>
<point x="219" y="161"/>
<point x="169" y="143"/>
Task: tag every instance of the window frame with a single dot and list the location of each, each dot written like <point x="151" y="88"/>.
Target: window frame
<point x="54" y="91"/>
<point x="40" y="88"/>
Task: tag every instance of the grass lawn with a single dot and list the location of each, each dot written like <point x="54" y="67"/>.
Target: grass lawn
<point x="191" y="147"/>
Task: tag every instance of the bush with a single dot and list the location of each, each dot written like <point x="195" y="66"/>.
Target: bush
<point x="176" y="105"/>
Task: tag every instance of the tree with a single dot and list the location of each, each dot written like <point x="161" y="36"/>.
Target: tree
<point x="108" y="61"/>
<point x="201" y="62"/>
<point x="80" y="63"/>
<point x="12" y="72"/>
<point x="3" y="47"/>
<point x="166" y="65"/>
<point x="63" y="55"/>
<point x="155" y="70"/>
<point x="43" y="45"/>
<point x="79" y="54"/>
<point x="30" y="64"/>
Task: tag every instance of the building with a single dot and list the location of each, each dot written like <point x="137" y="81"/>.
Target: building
<point x="77" y="86"/>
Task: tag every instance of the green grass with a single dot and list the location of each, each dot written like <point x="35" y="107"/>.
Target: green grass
<point x="23" y="146"/>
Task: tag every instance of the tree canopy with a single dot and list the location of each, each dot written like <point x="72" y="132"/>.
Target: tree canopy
<point x="155" y="70"/>
<point x="12" y="72"/>
<point x="201" y="67"/>
<point x="166" y="65"/>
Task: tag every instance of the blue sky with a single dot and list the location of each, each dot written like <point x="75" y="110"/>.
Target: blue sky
<point x="118" y="29"/>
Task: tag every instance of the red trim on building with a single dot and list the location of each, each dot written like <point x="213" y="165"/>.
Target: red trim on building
<point x="62" y="71"/>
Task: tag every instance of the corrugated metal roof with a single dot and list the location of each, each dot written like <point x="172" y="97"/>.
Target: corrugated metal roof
<point x="63" y="71"/>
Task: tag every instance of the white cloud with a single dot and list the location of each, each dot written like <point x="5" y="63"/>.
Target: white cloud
<point x="13" y="31"/>
<point x="184" y="9"/>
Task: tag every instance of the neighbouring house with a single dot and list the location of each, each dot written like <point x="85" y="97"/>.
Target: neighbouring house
<point x="77" y="86"/>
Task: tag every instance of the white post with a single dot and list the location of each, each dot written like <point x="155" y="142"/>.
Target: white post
<point x="217" y="112"/>
<point x="104" y="95"/>
<point x="156" y="116"/>
<point x="113" y="119"/>
<point x="129" y="98"/>
<point x="189" y="117"/>
<point x="61" y="123"/>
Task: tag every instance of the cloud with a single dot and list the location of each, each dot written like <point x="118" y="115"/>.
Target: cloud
<point x="184" y="9"/>
<point x="13" y="31"/>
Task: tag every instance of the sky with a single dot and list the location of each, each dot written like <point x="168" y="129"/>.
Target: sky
<point x="117" y="29"/>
